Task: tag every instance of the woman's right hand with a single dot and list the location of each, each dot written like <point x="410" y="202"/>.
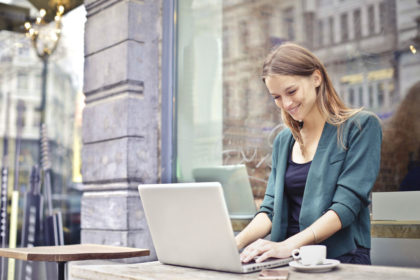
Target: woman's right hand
<point x="262" y="249"/>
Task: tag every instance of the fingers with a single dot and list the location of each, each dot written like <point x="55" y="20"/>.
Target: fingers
<point x="266" y="255"/>
<point x="250" y="255"/>
<point x="278" y="250"/>
<point x="254" y="249"/>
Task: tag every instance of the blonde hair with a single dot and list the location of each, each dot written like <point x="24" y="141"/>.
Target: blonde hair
<point x="292" y="59"/>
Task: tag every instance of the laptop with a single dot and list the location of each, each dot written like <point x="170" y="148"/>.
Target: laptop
<point x="236" y="188"/>
<point x="190" y="226"/>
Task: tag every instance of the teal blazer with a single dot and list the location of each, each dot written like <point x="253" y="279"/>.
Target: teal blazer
<point x="339" y="179"/>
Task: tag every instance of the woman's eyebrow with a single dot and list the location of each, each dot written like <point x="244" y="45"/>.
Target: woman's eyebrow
<point x="286" y="89"/>
<point x="289" y="88"/>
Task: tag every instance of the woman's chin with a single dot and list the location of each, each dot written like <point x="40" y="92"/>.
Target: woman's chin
<point x="296" y="118"/>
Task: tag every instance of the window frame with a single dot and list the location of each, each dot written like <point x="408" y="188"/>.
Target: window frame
<point x="168" y="101"/>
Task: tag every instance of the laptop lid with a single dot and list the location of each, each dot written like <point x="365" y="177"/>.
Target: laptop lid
<point x="190" y="226"/>
<point x="236" y="188"/>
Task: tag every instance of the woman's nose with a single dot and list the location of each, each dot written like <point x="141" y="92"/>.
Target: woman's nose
<point x="287" y="102"/>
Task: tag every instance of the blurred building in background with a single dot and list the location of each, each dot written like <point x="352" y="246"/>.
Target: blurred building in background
<point x="21" y="80"/>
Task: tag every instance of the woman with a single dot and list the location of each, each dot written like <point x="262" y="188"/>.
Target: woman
<point x="323" y="169"/>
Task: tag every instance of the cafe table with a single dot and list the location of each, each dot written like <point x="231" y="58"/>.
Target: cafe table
<point x="156" y="270"/>
<point x="63" y="254"/>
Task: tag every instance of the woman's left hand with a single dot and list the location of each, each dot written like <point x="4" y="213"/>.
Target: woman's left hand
<point x="264" y="249"/>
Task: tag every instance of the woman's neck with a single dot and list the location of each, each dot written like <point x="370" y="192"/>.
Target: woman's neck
<point x="313" y="126"/>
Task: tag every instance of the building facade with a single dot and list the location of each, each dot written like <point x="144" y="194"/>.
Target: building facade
<point x="20" y="83"/>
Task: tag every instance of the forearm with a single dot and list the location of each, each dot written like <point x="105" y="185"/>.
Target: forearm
<point x="259" y="227"/>
<point x="321" y="229"/>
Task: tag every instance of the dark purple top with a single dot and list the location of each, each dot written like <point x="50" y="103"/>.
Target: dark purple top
<point x="295" y="180"/>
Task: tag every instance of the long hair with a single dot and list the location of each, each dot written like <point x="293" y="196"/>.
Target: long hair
<point x="292" y="59"/>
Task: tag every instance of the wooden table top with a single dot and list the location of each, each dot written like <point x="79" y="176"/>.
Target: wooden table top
<point x="156" y="270"/>
<point x="72" y="253"/>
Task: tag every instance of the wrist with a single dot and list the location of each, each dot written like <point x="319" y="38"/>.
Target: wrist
<point x="239" y="242"/>
<point x="290" y="245"/>
<point x="314" y="235"/>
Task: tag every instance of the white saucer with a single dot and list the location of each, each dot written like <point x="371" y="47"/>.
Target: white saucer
<point x="326" y="266"/>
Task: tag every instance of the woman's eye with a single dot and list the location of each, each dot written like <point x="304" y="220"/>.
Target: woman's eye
<point x="276" y="97"/>
<point x="291" y="92"/>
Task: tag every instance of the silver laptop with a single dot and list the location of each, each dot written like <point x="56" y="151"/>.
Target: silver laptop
<point x="190" y="226"/>
<point x="236" y="188"/>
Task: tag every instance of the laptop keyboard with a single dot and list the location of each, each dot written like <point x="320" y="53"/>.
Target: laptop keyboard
<point x="267" y="260"/>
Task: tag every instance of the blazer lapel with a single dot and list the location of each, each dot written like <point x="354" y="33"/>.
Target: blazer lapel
<point x="280" y="203"/>
<point x="313" y="192"/>
<point x="282" y="164"/>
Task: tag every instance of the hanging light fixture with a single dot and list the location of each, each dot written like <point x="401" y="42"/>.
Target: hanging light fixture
<point x="45" y="37"/>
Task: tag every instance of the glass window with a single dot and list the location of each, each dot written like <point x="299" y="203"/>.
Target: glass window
<point x="265" y="18"/>
<point x="361" y="97"/>
<point x="391" y="91"/>
<point x="244" y="35"/>
<point x="22" y="80"/>
<point x="225" y="115"/>
<point x="370" y="104"/>
<point x="371" y="19"/>
<point x="289" y="23"/>
<point x="381" y="94"/>
<point x="382" y="16"/>
<point x="357" y="24"/>
<point x="344" y="27"/>
<point x="351" y="97"/>
<point x="37" y="82"/>
<point x="21" y="114"/>
<point x="23" y="51"/>
<point x="320" y="33"/>
<point x="331" y="29"/>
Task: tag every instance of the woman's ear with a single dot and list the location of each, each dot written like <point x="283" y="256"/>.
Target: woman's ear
<point x="317" y="78"/>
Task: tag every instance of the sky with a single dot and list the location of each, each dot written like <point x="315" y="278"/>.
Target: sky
<point x="73" y="40"/>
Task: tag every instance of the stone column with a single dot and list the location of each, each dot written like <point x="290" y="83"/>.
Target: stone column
<point x="121" y="119"/>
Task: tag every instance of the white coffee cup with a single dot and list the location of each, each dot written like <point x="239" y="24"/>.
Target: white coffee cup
<point x="311" y="254"/>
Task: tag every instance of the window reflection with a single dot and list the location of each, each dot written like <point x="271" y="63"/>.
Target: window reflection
<point x="365" y="47"/>
<point x="331" y="30"/>
<point x="357" y="24"/>
<point x="400" y="159"/>
<point x="371" y="19"/>
<point x="21" y="80"/>
<point x="344" y="27"/>
<point x="289" y="23"/>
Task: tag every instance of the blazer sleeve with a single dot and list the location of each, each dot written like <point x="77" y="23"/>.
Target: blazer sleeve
<point x="360" y="169"/>
<point x="267" y="205"/>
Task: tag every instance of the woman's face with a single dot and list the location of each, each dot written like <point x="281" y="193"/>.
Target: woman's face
<point x="294" y="94"/>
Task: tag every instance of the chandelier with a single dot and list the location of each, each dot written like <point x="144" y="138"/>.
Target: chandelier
<point x="45" y="37"/>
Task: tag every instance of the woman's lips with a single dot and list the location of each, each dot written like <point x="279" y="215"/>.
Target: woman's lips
<point x="293" y="110"/>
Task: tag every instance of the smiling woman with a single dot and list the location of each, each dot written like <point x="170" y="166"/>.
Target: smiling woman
<point x="324" y="166"/>
<point x="293" y="64"/>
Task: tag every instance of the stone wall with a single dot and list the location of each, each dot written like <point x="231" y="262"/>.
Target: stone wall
<point x="121" y="119"/>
